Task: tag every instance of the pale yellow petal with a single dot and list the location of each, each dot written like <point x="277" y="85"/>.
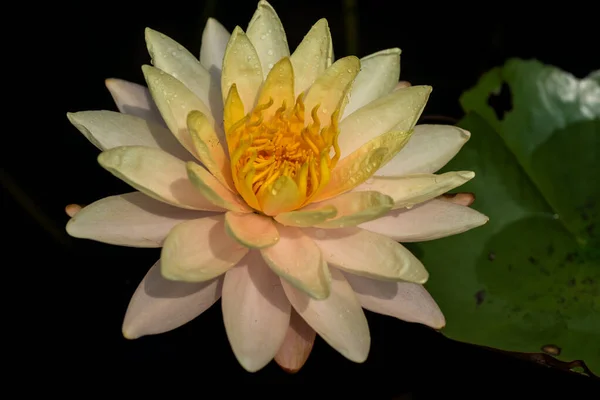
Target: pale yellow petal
<point x="157" y="174"/>
<point x="213" y="190"/>
<point x="251" y="230"/>
<point x="283" y="195"/>
<point x="278" y="87"/>
<point x="354" y="208"/>
<point x="368" y="254"/>
<point x="241" y="67"/>
<point x="266" y="33"/>
<point x="312" y="56"/>
<point x="307" y="217"/>
<point x="297" y="259"/>
<point x="199" y="250"/>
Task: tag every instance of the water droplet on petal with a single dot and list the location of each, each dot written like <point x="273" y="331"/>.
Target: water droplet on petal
<point x="270" y="52"/>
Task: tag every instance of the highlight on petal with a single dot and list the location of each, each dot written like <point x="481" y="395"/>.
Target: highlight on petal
<point x="214" y="42"/>
<point x="339" y="319"/>
<point x="297" y="259"/>
<point x="266" y="33"/>
<point x="428" y="150"/>
<point x="209" y="147"/>
<point x="160" y="305"/>
<point x="407" y="301"/>
<point x="172" y="58"/>
<point x="212" y="190"/>
<point x="131" y="219"/>
<point x="359" y="166"/>
<point x="278" y="87"/>
<point x="133" y="99"/>
<point x="406" y="191"/>
<point x="312" y="56"/>
<point x="241" y="66"/>
<point x="378" y="76"/>
<point x="329" y="90"/>
<point x="109" y="129"/>
<point x="307" y="217"/>
<point x="175" y="101"/>
<point x="155" y="173"/>
<point x="368" y="254"/>
<point x="251" y="230"/>
<point x="199" y="250"/>
<point x="398" y="111"/>
<point x="427" y="221"/>
<point x="297" y="345"/>
<point x="256" y="312"/>
<point x="354" y="208"/>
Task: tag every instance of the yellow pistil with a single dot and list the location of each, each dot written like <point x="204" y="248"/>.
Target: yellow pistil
<point x="265" y="149"/>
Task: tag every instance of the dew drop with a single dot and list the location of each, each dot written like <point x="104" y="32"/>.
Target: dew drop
<point x="370" y="181"/>
<point x="270" y="52"/>
<point x="263" y="36"/>
<point x="270" y="65"/>
<point x="173" y="53"/>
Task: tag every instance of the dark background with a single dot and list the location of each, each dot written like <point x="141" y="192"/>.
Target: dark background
<point x="71" y="295"/>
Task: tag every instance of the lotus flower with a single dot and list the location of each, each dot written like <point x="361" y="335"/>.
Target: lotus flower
<point x="280" y="183"/>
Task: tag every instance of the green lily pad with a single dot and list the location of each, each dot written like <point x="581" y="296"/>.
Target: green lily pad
<point x="530" y="278"/>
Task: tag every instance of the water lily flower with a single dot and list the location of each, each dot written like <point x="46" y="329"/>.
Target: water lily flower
<point x="279" y="183"/>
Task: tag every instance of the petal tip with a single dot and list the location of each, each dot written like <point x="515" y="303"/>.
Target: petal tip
<point x="467" y="175"/>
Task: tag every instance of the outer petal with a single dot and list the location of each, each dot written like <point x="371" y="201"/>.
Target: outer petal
<point x="428" y="150"/>
<point x="404" y="300"/>
<point x="256" y="312"/>
<point x="157" y="174"/>
<point x="133" y="99"/>
<point x="214" y="42"/>
<point x="131" y="219"/>
<point x="241" y="67"/>
<point x="278" y="87"/>
<point x="297" y="345"/>
<point x="175" y="60"/>
<point x="199" y="250"/>
<point x="354" y="208"/>
<point x="312" y="56"/>
<point x="251" y="230"/>
<point x="427" y="221"/>
<point x="297" y="259"/>
<point x="109" y="129"/>
<point x="397" y="111"/>
<point x="406" y="191"/>
<point x="379" y="74"/>
<point x="368" y="254"/>
<point x="267" y="35"/>
<point x="175" y="101"/>
<point x="339" y="319"/>
<point x="160" y="305"/>
<point x="213" y="190"/>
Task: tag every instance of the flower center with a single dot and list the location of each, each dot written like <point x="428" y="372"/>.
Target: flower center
<point x="287" y="154"/>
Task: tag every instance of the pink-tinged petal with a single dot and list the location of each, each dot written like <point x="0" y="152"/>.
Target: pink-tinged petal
<point x="133" y="99"/>
<point x="297" y="259"/>
<point x="297" y="345"/>
<point x="463" y="198"/>
<point x="407" y="301"/>
<point x="427" y="221"/>
<point x="251" y="230"/>
<point x="199" y="250"/>
<point x="339" y="319"/>
<point x="131" y="219"/>
<point x="429" y="149"/>
<point x="368" y="254"/>
<point x="160" y="305"/>
<point x="256" y="312"/>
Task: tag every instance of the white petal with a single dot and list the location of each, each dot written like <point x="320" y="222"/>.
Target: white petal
<point x="407" y="301"/>
<point x="297" y="345"/>
<point x="312" y="56"/>
<point x="296" y="258"/>
<point x="266" y="33"/>
<point x="131" y="219"/>
<point x="109" y="129"/>
<point x="427" y="221"/>
<point x="339" y="319"/>
<point x="175" y="60"/>
<point x="378" y="76"/>
<point x="157" y="174"/>
<point x="160" y="305"/>
<point x="368" y="254"/>
<point x="199" y="250"/>
<point x="134" y="99"/>
<point x="429" y="149"/>
<point x="398" y="111"/>
<point x="256" y="312"/>
<point x="214" y="42"/>
<point x="408" y="190"/>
